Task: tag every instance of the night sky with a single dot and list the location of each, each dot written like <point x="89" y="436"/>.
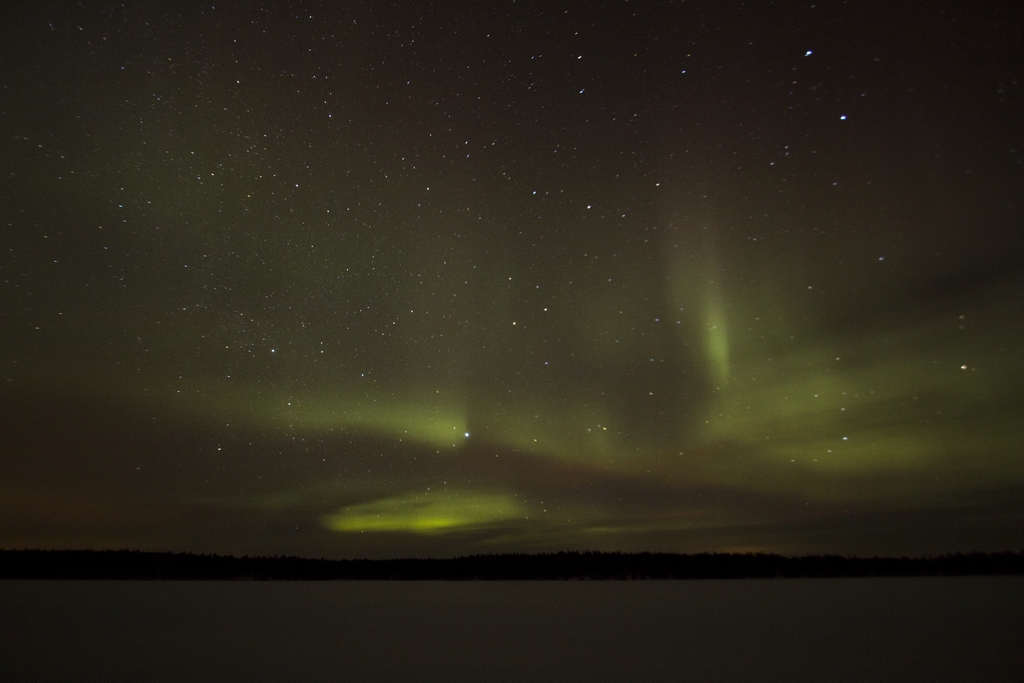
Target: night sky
<point x="375" y="279"/>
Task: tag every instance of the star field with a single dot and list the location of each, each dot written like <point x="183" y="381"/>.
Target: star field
<point x="372" y="279"/>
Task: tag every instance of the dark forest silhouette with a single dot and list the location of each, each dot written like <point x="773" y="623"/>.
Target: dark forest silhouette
<point x="136" y="565"/>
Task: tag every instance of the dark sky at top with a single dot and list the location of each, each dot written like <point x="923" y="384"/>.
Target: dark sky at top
<point x="356" y="279"/>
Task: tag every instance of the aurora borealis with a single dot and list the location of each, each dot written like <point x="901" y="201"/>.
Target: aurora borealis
<point x="405" y="279"/>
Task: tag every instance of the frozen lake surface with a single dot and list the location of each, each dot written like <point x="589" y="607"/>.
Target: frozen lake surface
<point x="883" y="629"/>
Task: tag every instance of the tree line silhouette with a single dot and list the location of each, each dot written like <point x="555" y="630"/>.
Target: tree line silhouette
<point x="137" y="565"/>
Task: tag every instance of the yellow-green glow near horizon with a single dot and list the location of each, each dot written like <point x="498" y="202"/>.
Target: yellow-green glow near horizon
<point x="436" y="512"/>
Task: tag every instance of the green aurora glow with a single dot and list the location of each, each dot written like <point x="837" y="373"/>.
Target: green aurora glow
<point x="330" y="301"/>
